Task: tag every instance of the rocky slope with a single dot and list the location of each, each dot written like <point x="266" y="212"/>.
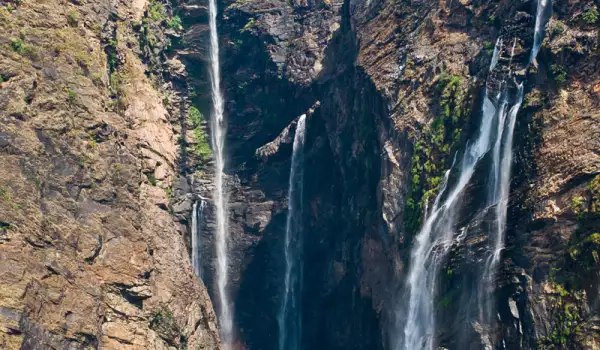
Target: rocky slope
<point x="91" y="256"/>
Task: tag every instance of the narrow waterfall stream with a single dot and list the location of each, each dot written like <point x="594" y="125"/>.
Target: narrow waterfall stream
<point x="197" y="216"/>
<point x="499" y="185"/>
<point x="218" y="133"/>
<point x="434" y="240"/>
<point x="289" y="318"/>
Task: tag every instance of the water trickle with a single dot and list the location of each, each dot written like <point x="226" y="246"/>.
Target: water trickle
<point x="496" y="54"/>
<point x="289" y="318"/>
<point x="218" y="133"/>
<point x="197" y="215"/>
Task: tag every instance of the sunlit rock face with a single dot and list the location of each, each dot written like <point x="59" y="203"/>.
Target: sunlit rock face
<point x="101" y="171"/>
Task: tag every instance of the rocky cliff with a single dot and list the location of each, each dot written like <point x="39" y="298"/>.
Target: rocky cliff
<point x="104" y="147"/>
<point x="90" y="254"/>
<point x="400" y="89"/>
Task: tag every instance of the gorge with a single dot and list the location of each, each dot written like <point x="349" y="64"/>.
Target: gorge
<point x="299" y="174"/>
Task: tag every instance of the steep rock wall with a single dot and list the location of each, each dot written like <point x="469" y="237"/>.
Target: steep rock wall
<point x="91" y="256"/>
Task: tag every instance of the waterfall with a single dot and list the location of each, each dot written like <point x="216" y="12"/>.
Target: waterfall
<point x="197" y="213"/>
<point x="499" y="185"/>
<point x="218" y="131"/>
<point x="435" y="238"/>
<point x="540" y="28"/>
<point x="496" y="54"/>
<point x="289" y="318"/>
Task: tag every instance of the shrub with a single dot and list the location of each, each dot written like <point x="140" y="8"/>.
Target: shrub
<point x="71" y="96"/>
<point x="558" y="27"/>
<point x="533" y="99"/>
<point x="17" y="45"/>
<point x="559" y="73"/>
<point x="175" y="22"/>
<point x="202" y="147"/>
<point x="151" y="178"/>
<point x="590" y="16"/>
<point x="157" y="11"/>
<point x="72" y="18"/>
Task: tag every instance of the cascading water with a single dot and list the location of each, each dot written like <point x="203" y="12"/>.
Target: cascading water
<point x="434" y="240"/>
<point x="289" y="318"/>
<point x="540" y="28"/>
<point x="197" y="213"/>
<point x="499" y="185"/>
<point x="218" y="131"/>
<point x="437" y="233"/>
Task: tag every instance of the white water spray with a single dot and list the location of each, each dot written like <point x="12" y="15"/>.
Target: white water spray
<point x="499" y="187"/>
<point x="435" y="239"/>
<point x="218" y="134"/>
<point x="289" y="318"/>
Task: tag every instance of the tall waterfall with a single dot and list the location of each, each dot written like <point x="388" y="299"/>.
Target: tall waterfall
<point x="289" y="318"/>
<point x="218" y="134"/>
<point x="499" y="185"/>
<point x="437" y="234"/>
<point x="435" y="239"/>
<point x="197" y="213"/>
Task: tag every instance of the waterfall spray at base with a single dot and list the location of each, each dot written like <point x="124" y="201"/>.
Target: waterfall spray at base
<point x="437" y="234"/>
<point x="289" y="318"/>
<point x="218" y="133"/>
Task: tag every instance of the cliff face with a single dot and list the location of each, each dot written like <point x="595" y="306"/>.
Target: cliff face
<point x="90" y="255"/>
<point x="104" y="149"/>
<point x="385" y="73"/>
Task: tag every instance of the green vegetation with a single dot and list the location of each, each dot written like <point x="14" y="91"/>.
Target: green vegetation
<point x="175" y="22"/>
<point x="71" y="96"/>
<point x="24" y="49"/>
<point x="5" y="194"/>
<point x="151" y="178"/>
<point x="559" y="73"/>
<point x="164" y="325"/>
<point x="590" y="16"/>
<point x="431" y="153"/>
<point x="157" y="11"/>
<point x="533" y="99"/>
<point x="488" y="45"/>
<point x="558" y="27"/>
<point x="577" y="204"/>
<point x="72" y="18"/>
<point x="17" y="45"/>
<point x="201" y="148"/>
<point x="566" y="317"/>
<point x="594" y="188"/>
<point x="251" y="23"/>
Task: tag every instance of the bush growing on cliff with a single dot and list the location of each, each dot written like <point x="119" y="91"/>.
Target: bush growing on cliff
<point x="157" y="11"/>
<point x="175" y="22"/>
<point x="559" y="73"/>
<point x="201" y="148"/>
<point x="590" y="16"/>
<point x="431" y="152"/>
